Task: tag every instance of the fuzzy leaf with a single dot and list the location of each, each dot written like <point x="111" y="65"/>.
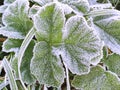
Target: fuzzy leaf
<point x="16" y="21"/>
<point x="8" y="1"/>
<point x="108" y="28"/>
<point x="97" y="79"/>
<point x="11" y="45"/>
<point x="46" y="67"/>
<point x="81" y="45"/>
<point x="27" y="77"/>
<point x="42" y="2"/>
<point x="78" y="5"/>
<point x="33" y="10"/>
<point x="3" y="8"/>
<point x="49" y="23"/>
<point x="113" y="63"/>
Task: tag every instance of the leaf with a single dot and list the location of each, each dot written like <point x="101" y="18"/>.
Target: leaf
<point x="27" y="77"/>
<point x="11" y="45"/>
<point x="49" y="22"/>
<point x="103" y="12"/>
<point x="113" y="63"/>
<point x="9" y="74"/>
<point x="3" y="8"/>
<point x="46" y="67"/>
<point x="8" y="1"/>
<point x="81" y="45"/>
<point x="78" y="5"/>
<point x="108" y="29"/>
<point x="33" y="10"/>
<point x="16" y="21"/>
<point x="42" y="2"/>
<point x="97" y="79"/>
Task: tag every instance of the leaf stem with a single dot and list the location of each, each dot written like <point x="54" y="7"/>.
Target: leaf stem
<point x="23" y="47"/>
<point x="67" y="78"/>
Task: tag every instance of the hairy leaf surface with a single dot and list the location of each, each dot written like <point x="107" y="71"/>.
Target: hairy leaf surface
<point x="49" y="23"/>
<point x="113" y="63"/>
<point x="109" y="30"/>
<point x="81" y="45"/>
<point x="15" y="18"/>
<point x="97" y="79"/>
<point x="46" y="67"/>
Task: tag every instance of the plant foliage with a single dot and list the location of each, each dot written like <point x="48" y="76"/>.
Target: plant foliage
<point x="50" y="41"/>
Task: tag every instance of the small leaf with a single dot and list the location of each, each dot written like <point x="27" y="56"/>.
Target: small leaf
<point x="9" y="74"/>
<point x="33" y="10"/>
<point x="78" y="5"/>
<point x="8" y="1"/>
<point x="108" y="29"/>
<point x="49" y="23"/>
<point x="97" y="79"/>
<point x="81" y="45"/>
<point x="15" y="18"/>
<point x="46" y="67"/>
<point x="113" y="63"/>
<point x="3" y="8"/>
<point x="42" y="2"/>
<point x="11" y="45"/>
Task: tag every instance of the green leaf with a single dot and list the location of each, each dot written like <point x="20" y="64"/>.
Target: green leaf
<point x="113" y="63"/>
<point x="78" y="5"/>
<point x="33" y="10"/>
<point x="108" y="28"/>
<point x="81" y="45"/>
<point x="27" y="77"/>
<point x="8" y="1"/>
<point x="46" y="67"/>
<point x="9" y="74"/>
<point x="97" y="79"/>
<point x="49" y="23"/>
<point x="42" y="2"/>
<point x="11" y="45"/>
<point x="16" y="21"/>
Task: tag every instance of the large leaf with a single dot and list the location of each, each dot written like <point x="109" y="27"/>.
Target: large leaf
<point x="49" y="23"/>
<point x="97" y="79"/>
<point x="81" y="45"/>
<point x="46" y="67"/>
<point x="27" y="77"/>
<point x="109" y="29"/>
<point x="16" y="21"/>
<point x="113" y="63"/>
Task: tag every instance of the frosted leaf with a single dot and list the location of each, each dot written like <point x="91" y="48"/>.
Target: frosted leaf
<point x="3" y="8"/>
<point x="78" y="5"/>
<point x="42" y="2"/>
<point x="16" y="18"/>
<point x="11" y="33"/>
<point x="67" y="9"/>
<point x="33" y="10"/>
<point x="81" y="45"/>
<point x="8" y="1"/>
<point x="109" y="31"/>
<point x="11" y="45"/>
<point x="49" y="22"/>
<point x="27" y="77"/>
<point x="113" y="63"/>
<point x="46" y="67"/>
<point x="97" y="79"/>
